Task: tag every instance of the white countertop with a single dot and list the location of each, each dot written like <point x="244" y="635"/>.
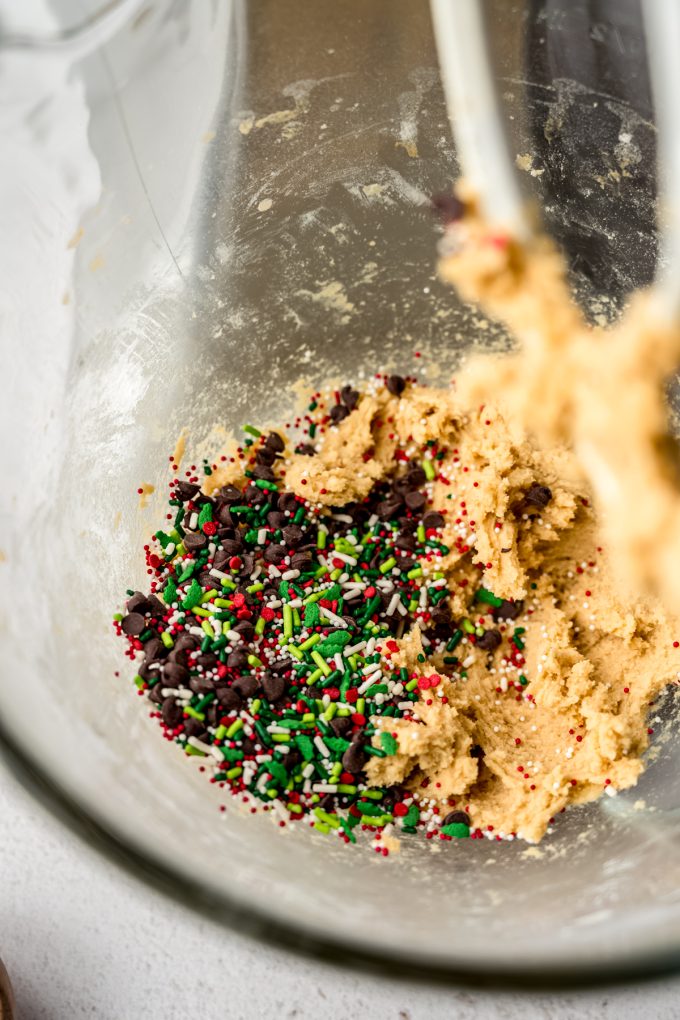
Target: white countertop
<point x="81" y="938"/>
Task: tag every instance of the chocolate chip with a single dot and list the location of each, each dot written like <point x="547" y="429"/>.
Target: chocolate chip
<point x="275" y="553"/>
<point x="195" y="541"/>
<point x="338" y="413"/>
<point x="138" y="603"/>
<point x="448" y="208"/>
<point x="476" y="751"/>
<point x="223" y="514"/>
<point x="340" y="725"/>
<point x="275" y="442"/>
<point x="185" y="643"/>
<point x="354" y="758"/>
<point x="327" y="802"/>
<point x="229" y="699"/>
<point x="201" y="685"/>
<point x="156" y="607"/>
<point x="207" y="661"/>
<point x="273" y="685"/>
<point x="349" y="397"/>
<point x="301" y="561"/>
<point x="306" y="449"/>
<point x="246" y="629"/>
<point x="184" y="491"/>
<point x="489" y="640"/>
<point x="155" y="694"/>
<point x="205" y="579"/>
<point x="538" y="495"/>
<point x="292" y="535"/>
<point x="457" y="818"/>
<point x="133" y="624"/>
<point x="280" y="666"/>
<point x="508" y="610"/>
<point x="276" y="519"/>
<point x="406" y="542"/>
<point x="232" y="547"/>
<point x="238" y="658"/>
<point x="415" y="476"/>
<point x="432" y="519"/>
<point x="288" y="501"/>
<point x="195" y="728"/>
<point x="396" y="385"/>
<point x="154" y="649"/>
<point x="246" y="686"/>
<point x="265" y="455"/>
<point x="175" y="674"/>
<point x="264" y="473"/>
<point x="254" y="496"/>
<point x="389" y="508"/>
<point x="415" y="500"/>
<point x="172" y="714"/>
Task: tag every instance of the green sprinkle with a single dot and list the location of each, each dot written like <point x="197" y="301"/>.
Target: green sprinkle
<point x="193" y="595"/>
<point x="194" y="714"/>
<point x="428" y="468"/>
<point x="235" y="772"/>
<point x="416" y="572"/>
<point x="262" y="484"/>
<point x="387" y="565"/>
<point x="468" y="626"/>
<point x="254" y="661"/>
<point x="484" y="595"/>
<point x="235" y="727"/>
<point x="167" y="640"/>
<point x="170" y="592"/>
<point x="191" y="750"/>
<point x="287" y="621"/>
<point x="205" y="515"/>
<point x="321" y="537"/>
<point x="389" y="744"/>
<point x="305" y="746"/>
<point x="523" y="680"/>
<point x="456" y="829"/>
<point x="251" y="430"/>
<point x="260" y="625"/>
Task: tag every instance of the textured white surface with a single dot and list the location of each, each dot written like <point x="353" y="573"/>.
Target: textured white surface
<point x="82" y="939"/>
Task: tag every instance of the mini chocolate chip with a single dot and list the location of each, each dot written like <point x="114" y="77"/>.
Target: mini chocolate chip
<point x="327" y="802"/>
<point x="224" y="516"/>
<point x="276" y="519"/>
<point x="195" y="728"/>
<point x="457" y="818"/>
<point x="246" y="629"/>
<point x="448" y="208"/>
<point x="338" y="413"/>
<point x="415" y="476"/>
<point x="212" y="713"/>
<point x="154" y="649"/>
<point x="275" y="442"/>
<point x="184" y="491"/>
<point x="175" y="673"/>
<point x="292" y="534"/>
<point x="396" y="385"/>
<point x="538" y="495"/>
<point x="264" y="473"/>
<point x="340" y="725"/>
<point x="489" y="640"/>
<point x="288" y="501"/>
<point x="349" y="397"/>
<point x="133" y="624"/>
<point x="238" y="658"/>
<point x="194" y="541"/>
<point x="232" y="547"/>
<point x="185" y="641"/>
<point x="354" y="758"/>
<point x="432" y="519"/>
<point x="406" y="542"/>
<point x="306" y="449"/>
<point x="508" y="610"/>
<point x="246" y="686"/>
<point x="415" y="500"/>
<point x="201" y="685"/>
<point x="273" y="685"/>
<point x="389" y="507"/>
<point x="207" y="661"/>
<point x="155" y="694"/>
<point x="265" y="455"/>
<point x="275" y="553"/>
<point x="476" y="751"/>
<point x="138" y="603"/>
<point x="229" y="699"/>
<point x="171" y="712"/>
<point x="230" y="494"/>
<point x="156" y="607"/>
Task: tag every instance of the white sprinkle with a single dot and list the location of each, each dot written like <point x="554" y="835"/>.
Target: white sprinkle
<point x="337" y="621"/>
<point x="218" y="573"/>
<point x="308" y="770"/>
<point x="193" y="521"/>
<point x="262" y="536"/>
<point x="345" y="558"/>
<point x="374" y="678"/>
<point x="200" y="746"/>
<point x="345" y="518"/>
<point x="320" y="746"/>
<point x="198" y="631"/>
<point x="325" y="788"/>
<point x="373" y="667"/>
<point x="396" y="599"/>
<point x="290" y="575"/>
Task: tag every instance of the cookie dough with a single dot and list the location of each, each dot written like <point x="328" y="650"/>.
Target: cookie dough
<point x="601" y="391"/>
<point x="552" y="708"/>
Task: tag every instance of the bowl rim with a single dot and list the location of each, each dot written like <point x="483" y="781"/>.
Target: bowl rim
<point x="217" y="906"/>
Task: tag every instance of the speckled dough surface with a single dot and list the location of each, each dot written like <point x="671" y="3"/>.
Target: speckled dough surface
<point x="556" y="712"/>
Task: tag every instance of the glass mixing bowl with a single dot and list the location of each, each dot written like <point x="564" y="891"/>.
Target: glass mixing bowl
<point x="203" y="206"/>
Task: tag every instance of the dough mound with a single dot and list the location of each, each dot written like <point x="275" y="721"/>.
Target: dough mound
<point x="556" y="713"/>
